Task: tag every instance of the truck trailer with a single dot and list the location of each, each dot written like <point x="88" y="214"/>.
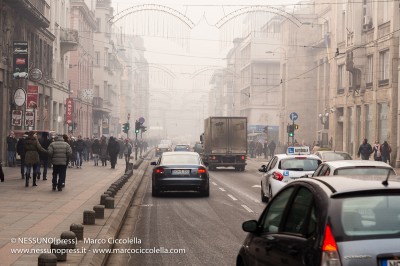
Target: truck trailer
<point x="225" y="142"/>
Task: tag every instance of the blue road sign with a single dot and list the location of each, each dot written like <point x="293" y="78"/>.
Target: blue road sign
<point x="293" y="116"/>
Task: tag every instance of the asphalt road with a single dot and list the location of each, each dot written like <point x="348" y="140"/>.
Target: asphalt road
<point x="205" y="231"/>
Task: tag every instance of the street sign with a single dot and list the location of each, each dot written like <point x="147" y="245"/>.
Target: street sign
<point x="293" y="116"/>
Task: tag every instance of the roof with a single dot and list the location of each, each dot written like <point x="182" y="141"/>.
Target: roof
<point x="284" y="156"/>
<point x="352" y="163"/>
<point x="180" y="153"/>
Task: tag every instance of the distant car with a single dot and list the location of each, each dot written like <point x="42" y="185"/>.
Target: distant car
<point x="162" y="148"/>
<point x="333" y="155"/>
<point x="182" y="147"/>
<point x="180" y="171"/>
<point x="284" y="168"/>
<point x="353" y="167"/>
<point x="327" y="221"/>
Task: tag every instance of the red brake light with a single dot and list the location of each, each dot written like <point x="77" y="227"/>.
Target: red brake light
<point x="158" y="170"/>
<point x="278" y="176"/>
<point x="300" y="157"/>
<point x="243" y="157"/>
<point x="329" y="240"/>
<point x="201" y="170"/>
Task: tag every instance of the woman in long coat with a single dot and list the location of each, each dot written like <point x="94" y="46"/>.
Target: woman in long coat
<point x="32" y="149"/>
<point x="103" y="151"/>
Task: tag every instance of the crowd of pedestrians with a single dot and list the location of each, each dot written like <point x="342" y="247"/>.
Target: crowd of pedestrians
<point x="62" y="152"/>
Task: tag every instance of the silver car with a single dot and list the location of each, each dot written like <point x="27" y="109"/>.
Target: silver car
<point x="354" y="167"/>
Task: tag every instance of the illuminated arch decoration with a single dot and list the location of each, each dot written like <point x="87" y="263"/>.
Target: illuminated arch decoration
<point x="158" y="21"/>
<point x="253" y="19"/>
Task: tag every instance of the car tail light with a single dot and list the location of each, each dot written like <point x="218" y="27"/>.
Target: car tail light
<point x="213" y="157"/>
<point x="201" y="170"/>
<point x="243" y="157"/>
<point x="300" y="157"/>
<point x="278" y="176"/>
<point x="330" y="255"/>
<point x="158" y="170"/>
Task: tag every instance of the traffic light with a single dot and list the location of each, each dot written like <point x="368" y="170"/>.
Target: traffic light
<point x="296" y="126"/>
<point x="137" y="126"/>
<point x="143" y="128"/>
<point x="290" y="130"/>
<point x="125" y="127"/>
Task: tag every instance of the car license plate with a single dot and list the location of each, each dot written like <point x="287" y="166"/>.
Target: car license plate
<point x="390" y="262"/>
<point x="180" y="172"/>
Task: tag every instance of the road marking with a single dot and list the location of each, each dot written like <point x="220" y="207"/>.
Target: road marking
<point x="232" y="197"/>
<point x="215" y="184"/>
<point x="259" y="186"/>
<point x="247" y="208"/>
<point x="222" y="189"/>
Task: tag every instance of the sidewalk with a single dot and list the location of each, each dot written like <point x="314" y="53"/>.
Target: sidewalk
<point x="38" y="214"/>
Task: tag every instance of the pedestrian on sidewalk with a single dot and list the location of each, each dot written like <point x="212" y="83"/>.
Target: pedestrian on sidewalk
<point x="79" y="148"/>
<point x="96" y="149"/>
<point x="377" y="151"/>
<point x="365" y="150"/>
<point x="271" y="147"/>
<point x="113" y="150"/>
<point x="21" y="153"/>
<point x="1" y="172"/>
<point x="103" y="151"/>
<point x="60" y="153"/>
<point x="385" y="152"/>
<point x="44" y="158"/>
<point x="32" y="149"/>
<point x="11" y="149"/>
<point x="127" y="150"/>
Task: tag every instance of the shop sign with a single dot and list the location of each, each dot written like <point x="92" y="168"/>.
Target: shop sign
<point x="69" y="113"/>
<point x="20" y="60"/>
<point x="32" y="97"/>
<point x="35" y="74"/>
<point x="20" y="97"/>
<point x="16" y="118"/>
<point x="29" y="118"/>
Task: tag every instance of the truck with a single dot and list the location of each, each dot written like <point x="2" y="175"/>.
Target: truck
<point x="225" y="142"/>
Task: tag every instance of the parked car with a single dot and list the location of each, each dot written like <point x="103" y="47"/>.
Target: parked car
<point x="354" y="167"/>
<point x="333" y="155"/>
<point x="284" y="168"/>
<point x="327" y="221"/>
<point x="180" y="171"/>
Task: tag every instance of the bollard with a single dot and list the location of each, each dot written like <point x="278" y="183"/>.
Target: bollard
<point x="69" y="238"/>
<point x="78" y="230"/>
<point x="109" y="193"/>
<point x="113" y="192"/>
<point x="47" y="259"/>
<point x="109" y="203"/>
<point x="89" y="217"/>
<point x="115" y="188"/>
<point x="99" y="210"/>
<point x="103" y="199"/>
<point x="59" y="250"/>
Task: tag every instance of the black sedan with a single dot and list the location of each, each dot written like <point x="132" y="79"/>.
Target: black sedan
<point x="180" y="171"/>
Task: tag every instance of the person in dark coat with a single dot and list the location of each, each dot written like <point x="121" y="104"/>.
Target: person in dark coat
<point x="60" y="153"/>
<point x="1" y="172"/>
<point x="32" y="149"/>
<point x="113" y="150"/>
<point x="80" y="146"/>
<point x="44" y="158"/>
<point x="385" y="152"/>
<point x="272" y="147"/>
<point x="11" y="149"/>
<point x="21" y="153"/>
<point x="103" y="151"/>
<point x="365" y="150"/>
<point x="96" y="150"/>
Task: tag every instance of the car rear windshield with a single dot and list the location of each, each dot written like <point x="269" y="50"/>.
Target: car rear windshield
<point x="299" y="164"/>
<point x="180" y="159"/>
<point x="372" y="215"/>
<point x="364" y="171"/>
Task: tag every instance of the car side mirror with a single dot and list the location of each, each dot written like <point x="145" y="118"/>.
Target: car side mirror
<point x="206" y="164"/>
<point x="250" y="226"/>
<point x="153" y="163"/>
<point x="262" y="169"/>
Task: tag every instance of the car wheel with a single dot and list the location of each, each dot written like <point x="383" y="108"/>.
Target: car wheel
<point x="263" y="197"/>
<point x="240" y="262"/>
<point x="206" y="192"/>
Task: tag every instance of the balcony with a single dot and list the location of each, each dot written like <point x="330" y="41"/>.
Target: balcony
<point x="69" y="40"/>
<point x="99" y="107"/>
<point x="35" y="11"/>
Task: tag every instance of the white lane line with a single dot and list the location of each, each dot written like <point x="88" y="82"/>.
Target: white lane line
<point x="232" y="197"/>
<point x="215" y="184"/>
<point x="259" y="186"/>
<point x="247" y="208"/>
<point x="222" y="189"/>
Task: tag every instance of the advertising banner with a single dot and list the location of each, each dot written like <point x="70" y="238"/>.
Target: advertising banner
<point x="69" y="112"/>
<point x="20" y="60"/>
<point x="105" y="126"/>
<point x="16" y="118"/>
<point x="32" y="97"/>
<point x="29" y="118"/>
<point x="20" y="97"/>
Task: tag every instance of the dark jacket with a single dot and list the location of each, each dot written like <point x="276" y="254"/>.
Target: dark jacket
<point x="21" y="147"/>
<point x="96" y="148"/>
<point x="59" y="152"/>
<point x="79" y="145"/>
<point x="45" y="143"/>
<point x="365" y="149"/>
<point x="386" y="149"/>
<point x="11" y="143"/>
<point x="113" y="147"/>
<point x="32" y="149"/>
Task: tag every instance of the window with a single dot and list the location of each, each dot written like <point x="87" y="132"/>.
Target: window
<point x="341" y="74"/>
<point x="384" y="67"/>
<point x="369" y="71"/>
<point x="383" y="132"/>
<point x="97" y="58"/>
<point x="298" y="216"/>
<point x="98" y="25"/>
<point x="271" y="219"/>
